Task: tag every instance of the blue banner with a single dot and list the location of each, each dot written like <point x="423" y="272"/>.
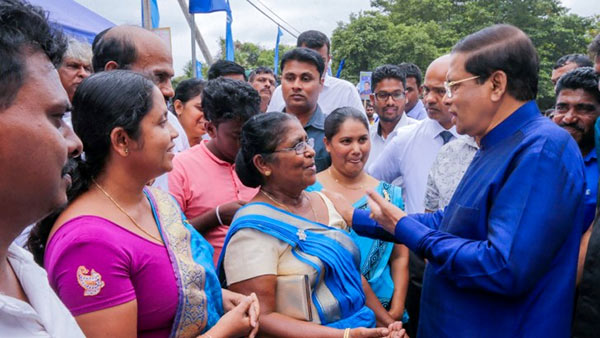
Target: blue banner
<point x="209" y="6"/>
<point x="276" y="59"/>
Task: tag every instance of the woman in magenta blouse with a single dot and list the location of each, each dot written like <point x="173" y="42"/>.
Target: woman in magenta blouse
<point x="121" y="256"/>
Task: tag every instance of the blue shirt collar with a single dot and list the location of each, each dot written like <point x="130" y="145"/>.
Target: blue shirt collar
<point x="317" y="120"/>
<point x="591" y="156"/>
<point x="511" y="124"/>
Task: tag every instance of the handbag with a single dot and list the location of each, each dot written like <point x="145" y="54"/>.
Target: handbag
<point x="292" y="297"/>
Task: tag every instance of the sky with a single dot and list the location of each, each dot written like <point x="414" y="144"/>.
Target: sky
<point x="249" y="25"/>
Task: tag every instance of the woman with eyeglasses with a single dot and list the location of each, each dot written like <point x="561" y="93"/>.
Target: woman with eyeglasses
<point x="122" y="256"/>
<point x="383" y="264"/>
<point x="291" y="247"/>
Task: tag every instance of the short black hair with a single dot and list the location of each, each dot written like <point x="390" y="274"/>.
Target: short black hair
<point x="505" y="48"/>
<point x="580" y="60"/>
<point x="225" y="67"/>
<point x="313" y="40"/>
<point x="261" y="134"/>
<point x="226" y="99"/>
<point x="118" y="48"/>
<point x="580" y="78"/>
<point x="188" y="89"/>
<point x="412" y="70"/>
<point x="303" y="54"/>
<point x="24" y="30"/>
<point x="387" y="72"/>
<point x="338" y="116"/>
<point x="261" y="70"/>
<point x="594" y="47"/>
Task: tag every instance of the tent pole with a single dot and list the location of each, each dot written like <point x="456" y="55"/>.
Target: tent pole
<point x="198" y="37"/>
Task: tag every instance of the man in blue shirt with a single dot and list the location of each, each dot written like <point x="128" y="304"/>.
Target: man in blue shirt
<point x="576" y="110"/>
<point x="301" y="82"/>
<point x="502" y="255"/>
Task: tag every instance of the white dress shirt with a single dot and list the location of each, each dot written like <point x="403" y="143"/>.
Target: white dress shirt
<point x="418" y="112"/>
<point x="336" y="93"/>
<point x="378" y="142"/>
<point x="410" y="156"/>
<point x="45" y="315"/>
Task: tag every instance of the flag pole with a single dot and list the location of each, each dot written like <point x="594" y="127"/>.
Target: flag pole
<point x="198" y="37"/>
<point x="194" y="66"/>
<point x="147" y="16"/>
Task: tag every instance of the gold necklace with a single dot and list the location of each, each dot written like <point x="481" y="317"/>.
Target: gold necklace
<point x="125" y="212"/>
<point x="272" y="198"/>
<point x="360" y="187"/>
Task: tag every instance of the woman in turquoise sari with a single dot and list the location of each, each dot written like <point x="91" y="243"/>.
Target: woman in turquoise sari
<point x="383" y="264"/>
<point x="121" y="256"/>
<point x="291" y="247"/>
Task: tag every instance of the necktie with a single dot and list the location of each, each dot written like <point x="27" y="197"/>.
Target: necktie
<point x="446" y="136"/>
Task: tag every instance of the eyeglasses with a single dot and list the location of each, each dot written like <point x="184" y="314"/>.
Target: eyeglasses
<point x="448" y="85"/>
<point x="383" y="96"/>
<point x="300" y="147"/>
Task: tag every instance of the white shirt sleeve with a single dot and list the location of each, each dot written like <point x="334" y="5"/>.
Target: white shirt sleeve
<point x="277" y="103"/>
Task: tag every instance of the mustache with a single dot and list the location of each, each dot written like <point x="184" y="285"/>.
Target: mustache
<point x="572" y="125"/>
<point x="69" y="167"/>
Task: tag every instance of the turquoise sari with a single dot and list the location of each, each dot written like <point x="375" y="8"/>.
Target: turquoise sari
<point x="375" y="254"/>
<point x="337" y="292"/>
<point x="200" y="303"/>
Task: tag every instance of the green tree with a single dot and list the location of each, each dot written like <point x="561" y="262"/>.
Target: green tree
<point x="418" y="31"/>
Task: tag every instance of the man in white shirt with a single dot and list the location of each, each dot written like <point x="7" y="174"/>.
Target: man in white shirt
<point x="336" y="92"/>
<point x="412" y="152"/>
<point x="389" y="99"/>
<point x="36" y="147"/>
<point x="414" y="106"/>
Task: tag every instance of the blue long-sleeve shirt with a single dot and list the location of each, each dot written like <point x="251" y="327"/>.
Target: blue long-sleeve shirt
<point x="503" y="254"/>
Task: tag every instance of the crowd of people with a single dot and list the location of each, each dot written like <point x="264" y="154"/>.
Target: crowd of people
<point x="446" y="205"/>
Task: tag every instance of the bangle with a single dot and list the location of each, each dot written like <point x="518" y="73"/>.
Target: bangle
<point x="218" y="217"/>
<point x="347" y="333"/>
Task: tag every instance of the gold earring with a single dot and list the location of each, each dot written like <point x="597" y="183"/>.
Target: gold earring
<point x="126" y="151"/>
<point x="267" y="173"/>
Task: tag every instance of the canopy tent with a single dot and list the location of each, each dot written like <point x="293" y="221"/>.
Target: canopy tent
<point x="74" y="19"/>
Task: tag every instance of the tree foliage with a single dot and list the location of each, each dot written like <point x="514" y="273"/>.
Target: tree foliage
<point x="418" y="31"/>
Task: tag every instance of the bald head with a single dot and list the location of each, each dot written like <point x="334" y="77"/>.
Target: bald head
<point x="136" y="49"/>
<point x="439" y="67"/>
<point x="433" y="90"/>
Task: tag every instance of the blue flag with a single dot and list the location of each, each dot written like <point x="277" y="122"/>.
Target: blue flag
<point x="198" y="70"/>
<point x="209" y="6"/>
<point x="154" y="15"/>
<point x="276" y="59"/>
<point x="229" y="55"/>
<point x="341" y="66"/>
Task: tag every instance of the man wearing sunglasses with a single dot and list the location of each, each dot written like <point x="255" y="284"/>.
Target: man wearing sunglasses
<point x="501" y="256"/>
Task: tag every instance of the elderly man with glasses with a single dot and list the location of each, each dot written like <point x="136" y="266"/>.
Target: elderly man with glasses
<point x="409" y="156"/>
<point x="501" y="256"/>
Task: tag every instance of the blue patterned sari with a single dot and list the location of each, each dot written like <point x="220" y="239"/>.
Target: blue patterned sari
<point x="200" y="303"/>
<point x="337" y="292"/>
<point x="375" y="254"/>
